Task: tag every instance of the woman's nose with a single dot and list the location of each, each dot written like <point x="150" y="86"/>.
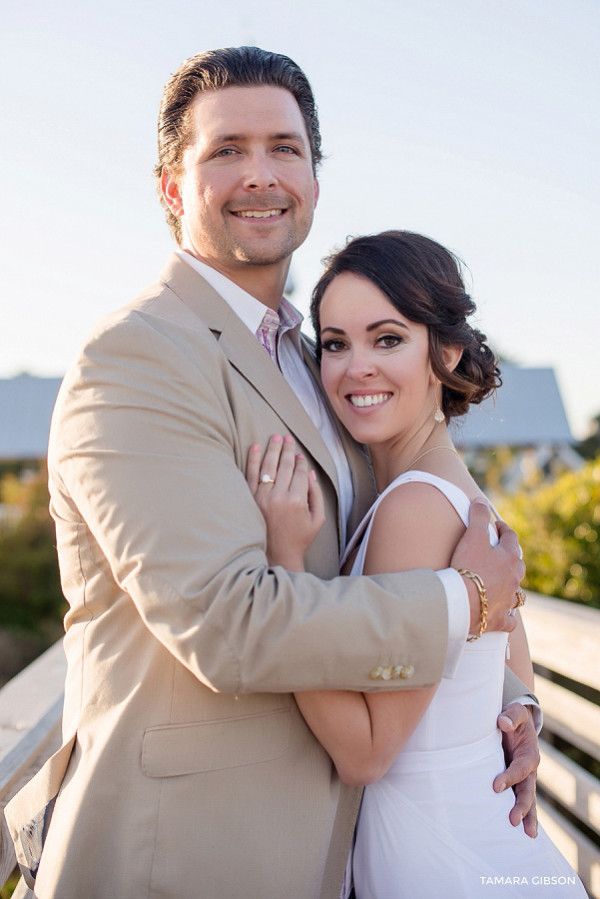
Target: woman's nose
<point x="360" y="365"/>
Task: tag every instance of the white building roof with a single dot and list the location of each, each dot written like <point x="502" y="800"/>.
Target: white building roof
<point x="26" y="405"/>
<point x="527" y="411"/>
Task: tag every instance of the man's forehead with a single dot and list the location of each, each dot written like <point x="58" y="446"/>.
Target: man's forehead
<point x="235" y="109"/>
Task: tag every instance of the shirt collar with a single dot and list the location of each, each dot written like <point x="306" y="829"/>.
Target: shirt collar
<point x="248" y="308"/>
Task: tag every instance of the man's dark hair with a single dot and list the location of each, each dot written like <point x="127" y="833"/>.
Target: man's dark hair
<point x="214" y="70"/>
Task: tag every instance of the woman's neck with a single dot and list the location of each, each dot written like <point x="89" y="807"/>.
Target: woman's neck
<point x="393" y="459"/>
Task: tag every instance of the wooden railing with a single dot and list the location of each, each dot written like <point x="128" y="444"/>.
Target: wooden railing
<point x="564" y="639"/>
<point x="30" y="719"/>
<point x="565" y="646"/>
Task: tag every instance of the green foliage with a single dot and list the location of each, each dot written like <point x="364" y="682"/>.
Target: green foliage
<point x="30" y="593"/>
<point x="559" y="530"/>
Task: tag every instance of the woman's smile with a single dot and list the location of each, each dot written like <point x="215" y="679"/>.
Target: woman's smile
<point x="368" y="400"/>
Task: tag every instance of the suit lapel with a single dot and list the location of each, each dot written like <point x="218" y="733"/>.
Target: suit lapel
<point x="249" y="358"/>
<point x="245" y="354"/>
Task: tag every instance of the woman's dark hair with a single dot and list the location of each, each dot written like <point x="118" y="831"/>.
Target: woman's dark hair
<point x="424" y="282"/>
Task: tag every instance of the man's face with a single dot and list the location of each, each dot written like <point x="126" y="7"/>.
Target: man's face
<point x="246" y="190"/>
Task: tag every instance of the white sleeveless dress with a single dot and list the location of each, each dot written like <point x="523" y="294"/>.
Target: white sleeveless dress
<point x="433" y="827"/>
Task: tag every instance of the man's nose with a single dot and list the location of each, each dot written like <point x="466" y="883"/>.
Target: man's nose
<point x="260" y="174"/>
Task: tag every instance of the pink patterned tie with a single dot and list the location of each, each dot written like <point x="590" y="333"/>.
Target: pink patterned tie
<point x="267" y="333"/>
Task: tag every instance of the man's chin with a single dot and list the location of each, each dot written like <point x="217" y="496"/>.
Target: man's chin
<point x="254" y="256"/>
<point x="269" y="252"/>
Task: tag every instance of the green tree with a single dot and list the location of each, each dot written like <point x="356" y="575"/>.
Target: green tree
<point x="30" y="593"/>
<point x="559" y="530"/>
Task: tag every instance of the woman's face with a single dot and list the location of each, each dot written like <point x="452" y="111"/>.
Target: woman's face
<point x="375" y="364"/>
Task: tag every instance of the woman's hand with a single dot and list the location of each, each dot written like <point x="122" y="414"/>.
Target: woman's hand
<point x="290" y="499"/>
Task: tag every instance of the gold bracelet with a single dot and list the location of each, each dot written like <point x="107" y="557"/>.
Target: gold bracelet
<point x="482" y="600"/>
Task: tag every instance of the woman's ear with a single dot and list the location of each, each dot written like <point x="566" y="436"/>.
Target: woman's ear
<point x="451" y="356"/>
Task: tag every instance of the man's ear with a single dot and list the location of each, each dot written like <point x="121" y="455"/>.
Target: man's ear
<point x="316" y="194"/>
<point x="170" y="190"/>
<point x="451" y="356"/>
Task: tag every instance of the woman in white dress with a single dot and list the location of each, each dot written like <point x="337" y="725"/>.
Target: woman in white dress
<point x="398" y="361"/>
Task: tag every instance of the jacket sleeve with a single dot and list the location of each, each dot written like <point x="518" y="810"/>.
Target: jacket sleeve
<point x="145" y="463"/>
<point x="514" y="689"/>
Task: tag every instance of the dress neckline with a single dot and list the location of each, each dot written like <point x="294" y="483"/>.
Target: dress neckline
<point x="455" y="495"/>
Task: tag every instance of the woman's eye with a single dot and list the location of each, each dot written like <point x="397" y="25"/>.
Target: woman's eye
<point x="333" y="346"/>
<point x="388" y="341"/>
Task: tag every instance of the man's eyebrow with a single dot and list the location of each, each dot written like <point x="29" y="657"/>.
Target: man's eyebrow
<point x="289" y="135"/>
<point x="225" y="138"/>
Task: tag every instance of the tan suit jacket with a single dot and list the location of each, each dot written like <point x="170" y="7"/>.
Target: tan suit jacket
<point x="187" y="770"/>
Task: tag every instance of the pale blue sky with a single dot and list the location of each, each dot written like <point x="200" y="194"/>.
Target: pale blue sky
<point x="473" y="121"/>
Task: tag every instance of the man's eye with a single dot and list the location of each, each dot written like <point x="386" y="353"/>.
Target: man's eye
<point x="226" y="151"/>
<point x="333" y="346"/>
<point x="286" y="149"/>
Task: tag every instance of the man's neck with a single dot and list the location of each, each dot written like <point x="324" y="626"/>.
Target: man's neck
<point x="265" y="283"/>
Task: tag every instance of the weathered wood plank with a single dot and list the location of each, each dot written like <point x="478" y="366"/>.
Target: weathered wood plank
<point x="8" y="859"/>
<point x="30" y="718"/>
<point x="569" y="716"/>
<point x="564" y="637"/>
<point x="26" y="698"/>
<point x="17" y="761"/>
<point x="38" y="745"/>
<point x="580" y="852"/>
<point x="572" y="786"/>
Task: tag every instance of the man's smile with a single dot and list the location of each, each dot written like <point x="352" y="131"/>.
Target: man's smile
<point x="259" y="213"/>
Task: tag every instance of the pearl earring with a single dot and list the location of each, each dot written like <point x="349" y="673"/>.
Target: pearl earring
<point x="438" y="415"/>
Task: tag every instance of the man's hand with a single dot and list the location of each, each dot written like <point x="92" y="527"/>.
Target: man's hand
<point x="523" y="757"/>
<point x="500" y="568"/>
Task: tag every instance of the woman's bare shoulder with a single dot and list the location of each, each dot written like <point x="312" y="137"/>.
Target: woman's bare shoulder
<point x="415" y="526"/>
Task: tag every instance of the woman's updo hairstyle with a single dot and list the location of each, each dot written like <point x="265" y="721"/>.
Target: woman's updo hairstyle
<point x="423" y="281"/>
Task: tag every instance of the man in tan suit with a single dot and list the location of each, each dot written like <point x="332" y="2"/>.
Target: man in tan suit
<point x="186" y="770"/>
